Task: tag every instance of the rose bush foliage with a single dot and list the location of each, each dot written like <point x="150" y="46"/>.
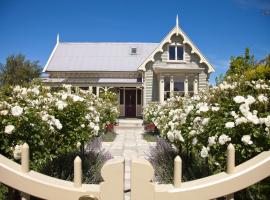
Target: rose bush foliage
<point x="52" y="122"/>
<point x="232" y="112"/>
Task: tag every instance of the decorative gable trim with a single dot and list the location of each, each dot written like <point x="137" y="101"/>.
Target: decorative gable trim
<point x="186" y="40"/>
<point x="50" y="58"/>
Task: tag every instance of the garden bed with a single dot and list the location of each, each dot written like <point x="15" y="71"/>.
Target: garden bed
<point x="150" y="136"/>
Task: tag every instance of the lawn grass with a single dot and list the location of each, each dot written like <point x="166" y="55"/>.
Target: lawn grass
<point x="150" y="136"/>
<point x="108" y="137"/>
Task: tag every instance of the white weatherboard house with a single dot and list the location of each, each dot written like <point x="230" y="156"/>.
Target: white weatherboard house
<point x="139" y="72"/>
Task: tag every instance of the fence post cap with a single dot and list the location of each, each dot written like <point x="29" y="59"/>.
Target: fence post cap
<point x="230" y="146"/>
<point x="25" y="146"/>
<point x="77" y="159"/>
<point x="178" y="158"/>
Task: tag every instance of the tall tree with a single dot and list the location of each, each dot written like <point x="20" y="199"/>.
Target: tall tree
<point x="240" y="64"/>
<point x="18" y="70"/>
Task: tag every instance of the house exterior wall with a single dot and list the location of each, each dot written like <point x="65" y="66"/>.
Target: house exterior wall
<point x="203" y="82"/>
<point x="148" y="84"/>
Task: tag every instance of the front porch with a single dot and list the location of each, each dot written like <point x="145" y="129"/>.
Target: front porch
<point x="180" y="85"/>
<point x="129" y="99"/>
<point x="128" y="90"/>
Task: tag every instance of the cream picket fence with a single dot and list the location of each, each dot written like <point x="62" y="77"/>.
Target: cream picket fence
<point x="223" y="184"/>
<point x="142" y="188"/>
<point x="45" y="187"/>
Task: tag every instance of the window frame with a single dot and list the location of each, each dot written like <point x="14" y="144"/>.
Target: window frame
<point x="175" y="45"/>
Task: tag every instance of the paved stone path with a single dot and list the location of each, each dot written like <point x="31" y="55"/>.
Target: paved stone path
<point x="128" y="144"/>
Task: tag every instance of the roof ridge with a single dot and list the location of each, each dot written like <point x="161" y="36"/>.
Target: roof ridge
<point x="108" y="42"/>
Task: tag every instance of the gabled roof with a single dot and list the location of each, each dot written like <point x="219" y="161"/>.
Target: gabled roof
<point x="194" y="49"/>
<point x="98" y="56"/>
<point x="113" y="56"/>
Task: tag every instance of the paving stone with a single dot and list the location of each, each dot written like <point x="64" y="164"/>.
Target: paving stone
<point x="129" y="144"/>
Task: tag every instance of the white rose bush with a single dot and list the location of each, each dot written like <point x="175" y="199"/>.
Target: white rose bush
<point x="51" y="121"/>
<point x="204" y="125"/>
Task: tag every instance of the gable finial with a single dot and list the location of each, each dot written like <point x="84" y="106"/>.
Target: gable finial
<point x="57" y="38"/>
<point x="177" y="21"/>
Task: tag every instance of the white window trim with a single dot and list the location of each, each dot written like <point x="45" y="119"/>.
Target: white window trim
<point x="176" y="61"/>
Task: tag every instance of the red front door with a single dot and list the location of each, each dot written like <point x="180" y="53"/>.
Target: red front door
<point x="130" y="103"/>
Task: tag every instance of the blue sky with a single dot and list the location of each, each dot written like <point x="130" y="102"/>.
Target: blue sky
<point x="220" y="28"/>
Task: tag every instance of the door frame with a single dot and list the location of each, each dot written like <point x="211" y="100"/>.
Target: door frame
<point x="125" y="89"/>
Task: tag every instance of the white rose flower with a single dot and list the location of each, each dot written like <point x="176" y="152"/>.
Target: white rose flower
<point x="178" y="136"/>
<point x="250" y="100"/>
<point x="76" y="98"/>
<point x="35" y="90"/>
<point x="92" y="125"/>
<point x="91" y="108"/>
<point x="239" y="99"/>
<point x="246" y="139"/>
<point x="223" y="139"/>
<point x="204" y="108"/>
<point x="233" y="113"/>
<point x="262" y="98"/>
<point x="61" y="105"/>
<point x="188" y="109"/>
<point x="24" y="92"/>
<point x="211" y="140"/>
<point x="204" y="152"/>
<point x="240" y="120"/>
<point x="78" y="145"/>
<point x="9" y="129"/>
<point x="194" y="141"/>
<point x="205" y="121"/>
<point x="229" y="125"/>
<point x="16" y="111"/>
<point x="16" y="88"/>
<point x="255" y="112"/>
<point x="267" y="121"/>
<point x="215" y="108"/>
<point x="17" y="152"/>
<point x="253" y="119"/>
<point x="244" y="108"/>
<point x="170" y="136"/>
<point x="58" y="124"/>
<point x="192" y="132"/>
<point x="197" y="119"/>
<point x="64" y="97"/>
<point x="4" y="112"/>
<point x="96" y="128"/>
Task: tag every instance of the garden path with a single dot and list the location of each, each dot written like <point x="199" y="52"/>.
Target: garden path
<point x="128" y="144"/>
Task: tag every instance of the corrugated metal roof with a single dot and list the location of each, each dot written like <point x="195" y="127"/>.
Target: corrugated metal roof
<point x="99" y="56"/>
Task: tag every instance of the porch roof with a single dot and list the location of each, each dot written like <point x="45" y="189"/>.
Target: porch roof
<point x="117" y="82"/>
<point x="179" y="67"/>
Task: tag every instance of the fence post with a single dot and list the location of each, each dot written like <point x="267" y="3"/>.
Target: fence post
<point x="77" y="90"/>
<point x="230" y="165"/>
<point x="177" y="179"/>
<point x="77" y="172"/>
<point x="25" y="166"/>
<point x="25" y="158"/>
<point x="91" y="89"/>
